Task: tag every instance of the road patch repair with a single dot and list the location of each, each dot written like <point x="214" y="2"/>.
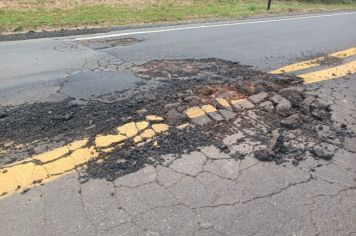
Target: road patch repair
<point x="109" y="43"/>
<point x="245" y="113"/>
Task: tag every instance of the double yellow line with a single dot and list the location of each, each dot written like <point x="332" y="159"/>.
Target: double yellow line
<point x="324" y="74"/>
<point x="48" y="166"/>
<point x="51" y="165"/>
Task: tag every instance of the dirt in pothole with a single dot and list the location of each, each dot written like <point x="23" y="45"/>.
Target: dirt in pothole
<point x="109" y="43"/>
<point x="277" y="132"/>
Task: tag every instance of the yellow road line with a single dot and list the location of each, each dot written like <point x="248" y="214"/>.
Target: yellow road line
<point x="30" y="173"/>
<point x="51" y="165"/>
<point x="55" y="163"/>
<point x="314" y="62"/>
<point x="331" y="73"/>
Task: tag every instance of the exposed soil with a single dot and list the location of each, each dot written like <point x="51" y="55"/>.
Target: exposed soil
<point x="287" y="125"/>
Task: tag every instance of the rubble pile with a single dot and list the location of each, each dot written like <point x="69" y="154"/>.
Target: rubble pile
<point x="245" y="113"/>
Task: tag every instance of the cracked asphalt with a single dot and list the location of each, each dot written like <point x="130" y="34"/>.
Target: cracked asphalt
<point x="205" y="191"/>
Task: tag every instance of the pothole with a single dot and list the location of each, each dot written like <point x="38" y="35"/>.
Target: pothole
<point x="92" y="85"/>
<point x="275" y="117"/>
<point x="109" y="43"/>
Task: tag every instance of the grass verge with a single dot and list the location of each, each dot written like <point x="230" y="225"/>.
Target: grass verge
<point x="42" y="16"/>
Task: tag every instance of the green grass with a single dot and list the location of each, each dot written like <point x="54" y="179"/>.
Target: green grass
<point x="19" y="19"/>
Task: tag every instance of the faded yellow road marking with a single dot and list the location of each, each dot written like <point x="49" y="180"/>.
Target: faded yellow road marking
<point x="209" y="108"/>
<point x="194" y="112"/>
<point x="183" y="126"/>
<point x="60" y="152"/>
<point x="147" y="134"/>
<point x="223" y="102"/>
<point x="331" y="73"/>
<point x="107" y="140"/>
<point x="160" y="128"/>
<point x="142" y="125"/>
<point x="154" y="118"/>
<point x="314" y="62"/>
<point x="53" y="164"/>
<point x="129" y="129"/>
<point x="28" y="173"/>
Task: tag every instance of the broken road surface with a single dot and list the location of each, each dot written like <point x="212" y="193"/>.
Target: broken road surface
<point x="182" y="131"/>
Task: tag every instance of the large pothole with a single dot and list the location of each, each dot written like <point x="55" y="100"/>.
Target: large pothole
<point x="273" y="115"/>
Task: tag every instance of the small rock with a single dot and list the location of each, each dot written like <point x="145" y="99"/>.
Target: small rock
<point x="68" y="116"/>
<point x="291" y="122"/>
<point x="3" y="115"/>
<point x="319" y="114"/>
<point x="242" y="104"/>
<point x="276" y="99"/>
<point x="215" y="116"/>
<point x="295" y="162"/>
<point x="274" y="140"/>
<point x="294" y="94"/>
<point x="142" y="111"/>
<point x="222" y="147"/>
<point x="264" y="154"/>
<point x="325" y="152"/>
<point x="201" y="120"/>
<point x="306" y="103"/>
<point x="267" y="106"/>
<point x="171" y="105"/>
<point x="174" y="117"/>
<point x="191" y="98"/>
<point x="228" y="115"/>
<point x="257" y="98"/>
<point x="284" y="107"/>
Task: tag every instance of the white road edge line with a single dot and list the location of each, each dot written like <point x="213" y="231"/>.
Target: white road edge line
<point x="209" y="26"/>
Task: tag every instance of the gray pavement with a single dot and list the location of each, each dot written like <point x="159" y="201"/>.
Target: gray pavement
<point x="205" y="192"/>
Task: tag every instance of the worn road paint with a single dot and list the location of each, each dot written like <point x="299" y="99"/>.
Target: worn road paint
<point x="148" y="134"/>
<point x="194" y="112"/>
<point x="107" y="140"/>
<point x="331" y="73"/>
<point x="51" y="165"/>
<point x="314" y="62"/>
<point x="30" y="172"/>
<point x="209" y="108"/>
<point x="129" y="130"/>
<point x="223" y="102"/>
<point x="154" y="118"/>
<point x="160" y="128"/>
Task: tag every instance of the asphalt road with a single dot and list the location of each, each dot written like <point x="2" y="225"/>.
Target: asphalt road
<point x="205" y="192"/>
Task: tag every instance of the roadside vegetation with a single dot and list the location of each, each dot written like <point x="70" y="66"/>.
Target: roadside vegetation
<point x="36" y="15"/>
